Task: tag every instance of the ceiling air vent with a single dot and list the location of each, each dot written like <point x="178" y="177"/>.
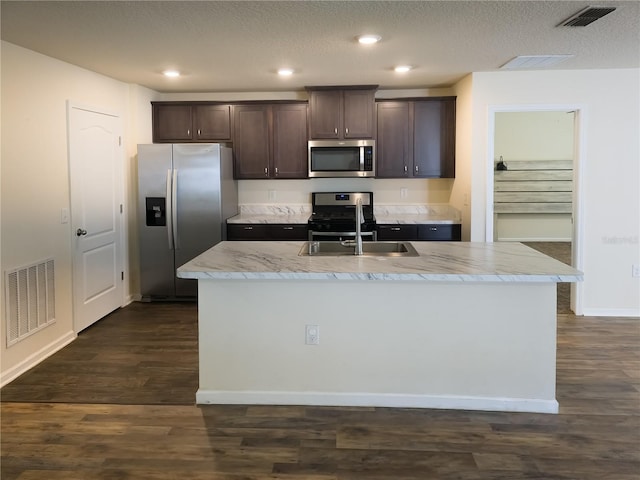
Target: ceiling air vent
<point x="532" y="62"/>
<point x="586" y="16"/>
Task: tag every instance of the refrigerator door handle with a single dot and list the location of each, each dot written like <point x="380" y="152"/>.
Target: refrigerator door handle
<point x="174" y="208"/>
<point x="169" y="211"/>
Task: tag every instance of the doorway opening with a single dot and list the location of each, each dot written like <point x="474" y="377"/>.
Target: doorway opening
<point x="533" y="185"/>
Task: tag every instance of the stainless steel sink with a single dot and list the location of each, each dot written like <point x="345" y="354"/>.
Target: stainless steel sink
<point x="369" y="249"/>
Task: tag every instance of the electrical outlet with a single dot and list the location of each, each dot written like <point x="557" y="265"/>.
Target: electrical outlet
<point x="404" y="193"/>
<point x="272" y="195"/>
<point x="635" y="270"/>
<point x="312" y="335"/>
<point x="64" y="215"/>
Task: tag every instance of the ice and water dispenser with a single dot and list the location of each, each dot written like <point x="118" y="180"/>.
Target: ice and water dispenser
<point x="156" y="211"/>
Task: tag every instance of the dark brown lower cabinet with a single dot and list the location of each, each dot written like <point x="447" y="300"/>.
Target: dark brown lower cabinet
<point x="397" y="232"/>
<point x="440" y="232"/>
<point x="424" y="232"/>
<point x="266" y="231"/>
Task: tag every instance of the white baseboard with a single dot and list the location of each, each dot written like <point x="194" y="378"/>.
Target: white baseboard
<point x="128" y="299"/>
<point x="135" y="297"/>
<point x="611" y="312"/>
<point x="36" y="357"/>
<point x="218" y="397"/>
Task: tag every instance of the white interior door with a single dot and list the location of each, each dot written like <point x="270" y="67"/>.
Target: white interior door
<point x="95" y="166"/>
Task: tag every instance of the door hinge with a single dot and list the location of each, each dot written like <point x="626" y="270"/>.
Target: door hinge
<point x="122" y="276"/>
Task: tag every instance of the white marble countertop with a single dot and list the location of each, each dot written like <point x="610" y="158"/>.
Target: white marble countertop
<point x="438" y="262"/>
<point x="290" y="214"/>
<point x="385" y="214"/>
<point x="270" y="218"/>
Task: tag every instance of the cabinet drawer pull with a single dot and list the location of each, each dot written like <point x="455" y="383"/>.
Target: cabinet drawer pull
<point x="248" y="228"/>
<point x="395" y="229"/>
<point x="433" y="229"/>
<point x="287" y="228"/>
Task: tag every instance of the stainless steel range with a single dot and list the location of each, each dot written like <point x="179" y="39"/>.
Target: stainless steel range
<point x="334" y="216"/>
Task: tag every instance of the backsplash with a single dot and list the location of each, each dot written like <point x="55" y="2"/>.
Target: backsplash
<point x="274" y="209"/>
<point x="381" y="211"/>
<point x="385" y="191"/>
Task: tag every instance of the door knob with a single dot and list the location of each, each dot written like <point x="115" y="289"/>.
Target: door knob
<point x="80" y="232"/>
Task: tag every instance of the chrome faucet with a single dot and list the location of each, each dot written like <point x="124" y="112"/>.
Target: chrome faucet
<point x="359" y="222"/>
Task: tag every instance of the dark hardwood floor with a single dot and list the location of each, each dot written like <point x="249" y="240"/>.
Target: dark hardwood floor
<point x="118" y="403"/>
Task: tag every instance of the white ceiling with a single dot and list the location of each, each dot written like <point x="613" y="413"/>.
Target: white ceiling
<point x="238" y="45"/>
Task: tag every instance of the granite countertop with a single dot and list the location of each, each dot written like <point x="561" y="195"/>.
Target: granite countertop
<point x="385" y="214"/>
<point x="438" y="262"/>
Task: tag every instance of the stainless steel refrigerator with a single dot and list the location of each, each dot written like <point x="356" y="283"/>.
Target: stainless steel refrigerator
<point x="185" y="194"/>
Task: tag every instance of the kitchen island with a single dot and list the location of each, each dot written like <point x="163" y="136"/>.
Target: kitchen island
<point x="463" y="326"/>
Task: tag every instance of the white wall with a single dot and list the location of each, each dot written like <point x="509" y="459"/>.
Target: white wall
<point x="35" y="176"/>
<point x="609" y="118"/>
<point x="461" y="197"/>
<point x="540" y="135"/>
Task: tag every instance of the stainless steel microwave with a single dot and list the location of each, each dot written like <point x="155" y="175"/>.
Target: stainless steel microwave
<point x="342" y="158"/>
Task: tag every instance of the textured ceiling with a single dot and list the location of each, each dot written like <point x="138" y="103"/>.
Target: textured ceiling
<point x="238" y="46"/>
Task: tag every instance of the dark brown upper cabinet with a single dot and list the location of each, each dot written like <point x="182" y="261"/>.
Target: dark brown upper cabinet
<point x="191" y="122"/>
<point x="270" y="141"/>
<point x="394" y="155"/>
<point x="416" y="138"/>
<point x="342" y="112"/>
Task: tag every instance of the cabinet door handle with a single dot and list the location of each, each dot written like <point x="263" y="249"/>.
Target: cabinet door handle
<point x="276" y="171"/>
<point x="405" y="169"/>
<point x="266" y="171"/>
<point x="335" y="130"/>
<point x="198" y="132"/>
<point x="416" y="168"/>
<point x="188" y="132"/>
<point x="248" y="228"/>
<point x="346" y="131"/>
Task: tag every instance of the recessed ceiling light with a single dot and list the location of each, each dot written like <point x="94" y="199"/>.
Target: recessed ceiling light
<point x="285" y="72"/>
<point x="171" y="73"/>
<point x="403" y="68"/>
<point x="369" y="39"/>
